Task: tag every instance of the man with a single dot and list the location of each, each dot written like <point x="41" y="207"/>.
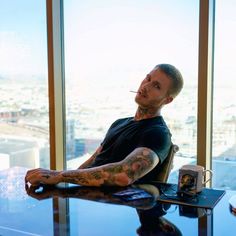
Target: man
<point x="134" y="147"/>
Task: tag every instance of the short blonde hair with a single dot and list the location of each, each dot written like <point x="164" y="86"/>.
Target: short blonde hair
<point x="176" y="78"/>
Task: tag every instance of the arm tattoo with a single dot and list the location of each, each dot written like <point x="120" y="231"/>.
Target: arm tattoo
<point x="46" y="176"/>
<point x="139" y="163"/>
<point x="86" y="177"/>
<point x="134" y="166"/>
<point x="52" y="174"/>
<point x="97" y="175"/>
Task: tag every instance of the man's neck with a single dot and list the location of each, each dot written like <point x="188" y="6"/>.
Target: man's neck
<point x="146" y="113"/>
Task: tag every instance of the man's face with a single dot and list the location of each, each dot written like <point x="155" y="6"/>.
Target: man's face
<point x="153" y="91"/>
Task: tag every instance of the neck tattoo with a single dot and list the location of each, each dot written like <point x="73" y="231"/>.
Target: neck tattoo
<point x="145" y="113"/>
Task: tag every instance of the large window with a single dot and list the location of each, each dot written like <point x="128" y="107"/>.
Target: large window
<point x="224" y="123"/>
<point x="23" y="85"/>
<point x="110" y="46"/>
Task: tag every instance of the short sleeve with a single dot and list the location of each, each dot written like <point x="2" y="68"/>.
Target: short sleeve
<point x="158" y="140"/>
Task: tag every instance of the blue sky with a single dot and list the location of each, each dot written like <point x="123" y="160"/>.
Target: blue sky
<point x="23" y="37"/>
<point x="134" y="27"/>
<point x="23" y="28"/>
<point x="135" y="34"/>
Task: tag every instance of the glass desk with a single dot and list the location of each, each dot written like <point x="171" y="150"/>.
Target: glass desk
<point x="93" y="211"/>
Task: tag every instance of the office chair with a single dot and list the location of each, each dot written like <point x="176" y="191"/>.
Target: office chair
<point x="167" y="165"/>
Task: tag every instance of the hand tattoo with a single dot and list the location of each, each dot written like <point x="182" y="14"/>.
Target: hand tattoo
<point x="46" y="176"/>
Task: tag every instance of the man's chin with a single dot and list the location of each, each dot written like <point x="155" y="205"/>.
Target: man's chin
<point x="140" y="103"/>
<point x="138" y="100"/>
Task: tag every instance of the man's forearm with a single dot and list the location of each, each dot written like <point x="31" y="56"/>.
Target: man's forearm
<point x="123" y="173"/>
<point x="108" y="175"/>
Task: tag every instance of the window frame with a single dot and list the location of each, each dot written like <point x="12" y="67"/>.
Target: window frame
<point x="56" y="83"/>
<point x="205" y="83"/>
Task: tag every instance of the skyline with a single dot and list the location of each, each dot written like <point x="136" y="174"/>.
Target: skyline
<point x="30" y="101"/>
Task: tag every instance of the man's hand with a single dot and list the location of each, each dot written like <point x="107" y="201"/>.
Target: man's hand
<point x="43" y="176"/>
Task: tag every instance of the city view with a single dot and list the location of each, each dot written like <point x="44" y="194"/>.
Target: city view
<point x="25" y="137"/>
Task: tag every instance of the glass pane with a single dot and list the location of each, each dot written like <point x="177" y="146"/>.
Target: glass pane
<point x="110" y="46"/>
<point x="224" y="123"/>
<point x="24" y="137"/>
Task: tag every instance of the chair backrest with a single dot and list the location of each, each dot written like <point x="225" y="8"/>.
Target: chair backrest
<point x="167" y="165"/>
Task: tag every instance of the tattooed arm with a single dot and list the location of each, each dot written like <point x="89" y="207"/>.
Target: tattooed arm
<point x="123" y="173"/>
<point x="91" y="159"/>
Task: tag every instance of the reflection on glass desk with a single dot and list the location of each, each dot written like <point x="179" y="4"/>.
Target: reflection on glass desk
<point x="85" y="211"/>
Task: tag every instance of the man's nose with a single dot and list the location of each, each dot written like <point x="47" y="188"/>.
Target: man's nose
<point x="147" y="86"/>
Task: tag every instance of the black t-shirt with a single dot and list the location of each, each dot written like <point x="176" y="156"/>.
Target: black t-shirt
<point x="126" y="134"/>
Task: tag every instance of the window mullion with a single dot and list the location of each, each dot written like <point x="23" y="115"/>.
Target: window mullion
<point x="56" y="83"/>
<point x="205" y="82"/>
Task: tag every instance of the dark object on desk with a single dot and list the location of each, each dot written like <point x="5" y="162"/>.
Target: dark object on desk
<point x="208" y="198"/>
<point x="132" y="194"/>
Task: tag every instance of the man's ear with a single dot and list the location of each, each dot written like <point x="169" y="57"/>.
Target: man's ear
<point x="169" y="99"/>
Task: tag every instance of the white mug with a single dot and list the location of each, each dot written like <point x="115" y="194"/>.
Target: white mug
<point x="192" y="178"/>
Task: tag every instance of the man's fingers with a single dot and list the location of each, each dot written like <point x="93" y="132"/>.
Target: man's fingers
<point x="29" y="174"/>
<point x="33" y="177"/>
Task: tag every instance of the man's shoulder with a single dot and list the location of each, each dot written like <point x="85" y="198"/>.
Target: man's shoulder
<point x="121" y="121"/>
<point x="157" y="125"/>
<point x="125" y="118"/>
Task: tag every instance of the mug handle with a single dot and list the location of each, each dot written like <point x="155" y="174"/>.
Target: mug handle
<point x="211" y="174"/>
